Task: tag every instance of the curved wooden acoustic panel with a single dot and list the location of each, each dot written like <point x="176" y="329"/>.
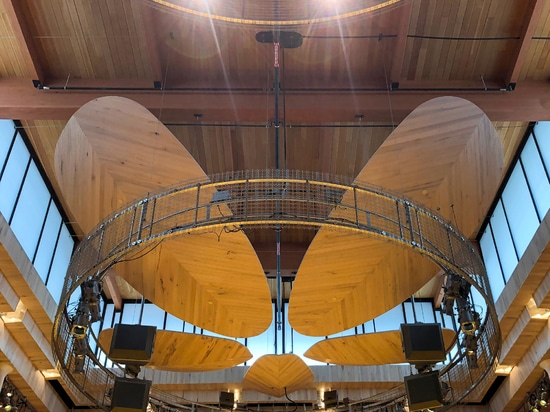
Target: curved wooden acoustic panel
<point x="348" y="278"/>
<point x="208" y="281"/>
<point x="446" y="152"/>
<point x="187" y="352"/>
<point x="112" y="151"/>
<point x="271" y="374"/>
<point x="445" y="155"/>
<point x="379" y="348"/>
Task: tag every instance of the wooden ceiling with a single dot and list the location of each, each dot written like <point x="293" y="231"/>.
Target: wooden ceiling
<point x="342" y="92"/>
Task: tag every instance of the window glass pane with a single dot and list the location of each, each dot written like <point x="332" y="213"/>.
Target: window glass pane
<point x="503" y="241"/>
<point x="60" y="263"/>
<point x="301" y="344"/>
<point x="445" y="320"/>
<point x="174" y="323"/>
<point x="265" y="342"/>
<point x="47" y="243"/>
<point x="425" y="312"/>
<point x="130" y="313"/>
<point x="108" y="316"/>
<point x="7" y="129"/>
<point x="520" y="210"/>
<point x="30" y="211"/>
<point x="542" y="133"/>
<point x="490" y="259"/>
<point x="13" y="176"/>
<point x="152" y="316"/>
<point x="536" y="176"/>
<point x="390" y="320"/>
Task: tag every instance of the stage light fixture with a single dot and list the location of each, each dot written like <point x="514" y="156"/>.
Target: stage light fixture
<point x="79" y="362"/>
<point x="468" y="318"/>
<point x="80" y="346"/>
<point x="470" y="346"/>
<point x="80" y="321"/>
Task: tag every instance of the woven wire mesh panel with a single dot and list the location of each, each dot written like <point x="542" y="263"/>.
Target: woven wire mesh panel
<point x="274" y="199"/>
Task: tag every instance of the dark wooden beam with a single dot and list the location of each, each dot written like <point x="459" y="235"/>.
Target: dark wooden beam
<point x="400" y="42"/>
<point x="529" y="102"/>
<point x="530" y="21"/>
<point x="16" y="15"/>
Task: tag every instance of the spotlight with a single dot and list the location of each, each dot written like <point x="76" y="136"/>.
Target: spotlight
<point x="533" y="403"/>
<point x="470" y="345"/>
<point x="90" y="296"/>
<point x="453" y="285"/>
<point x="80" y="346"/>
<point x="79" y="362"/>
<point x="80" y="321"/>
<point x="468" y="318"/>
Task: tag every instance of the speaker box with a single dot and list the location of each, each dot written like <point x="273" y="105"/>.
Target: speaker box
<point x="130" y="395"/>
<point x="330" y="399"/>
<point x="423" y="391"/>
<point x="423" y="342"/>
<point x="227" y="400"/>
<point x="132" y="343"/>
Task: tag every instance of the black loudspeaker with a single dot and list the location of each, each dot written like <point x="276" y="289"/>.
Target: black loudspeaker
<point x="423" y="342"/>
<point x="227" y="400"/>
<point x="132" y="343"/>
<point x="424" y="391"/>
<point x="130" y="395"/>
<point x="330" y="399"/>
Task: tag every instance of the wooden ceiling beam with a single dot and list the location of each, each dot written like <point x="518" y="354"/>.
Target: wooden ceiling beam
<point x="19" y="100"/>
<point x="16" y="16"/>
<point x="531" y="19"/>
<point x="401" y="43"/>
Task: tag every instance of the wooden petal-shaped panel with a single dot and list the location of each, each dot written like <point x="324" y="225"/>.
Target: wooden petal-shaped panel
<point x="445" y="155"/>
<point x="271" y="374"/>
<point x="379" y="348"/>
<point x="353" y="277"/>
<point x="209" y="281"/>
<point x="187" y="352"/>
<point x="112" y="151"/>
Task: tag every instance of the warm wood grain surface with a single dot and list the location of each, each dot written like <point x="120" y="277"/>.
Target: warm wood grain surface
<point x="446" y="152"/>
<point x="369" y="349"/>
<point x="187" y="352"/>
<point x="113" y="151"/>
<point x="447" y="156"/>
<point x="271" y="374"/>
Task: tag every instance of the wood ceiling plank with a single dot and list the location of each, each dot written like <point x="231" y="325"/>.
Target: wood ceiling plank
<point x="368" y="349"/>
<point x="276" y="375"/>
<point x="188" y="352"/>
<point x="17" y="17"/>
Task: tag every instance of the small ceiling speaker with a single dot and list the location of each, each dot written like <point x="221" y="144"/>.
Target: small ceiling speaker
<point x="423" y="391"/>
<point x="227" y="400"/>
<point x="132" y="344"/>
<point x="423" y="342"/>
<point x="330" y="399"/>
<point x="130" y="395"/>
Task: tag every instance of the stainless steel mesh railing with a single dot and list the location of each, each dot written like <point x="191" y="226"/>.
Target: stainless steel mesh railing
<point x="282" y="199"/>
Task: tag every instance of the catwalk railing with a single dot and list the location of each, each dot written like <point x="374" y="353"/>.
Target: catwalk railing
<point x="282" y="199"/>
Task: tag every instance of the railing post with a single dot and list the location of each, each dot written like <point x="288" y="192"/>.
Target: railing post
<point x="197" y="203"/>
